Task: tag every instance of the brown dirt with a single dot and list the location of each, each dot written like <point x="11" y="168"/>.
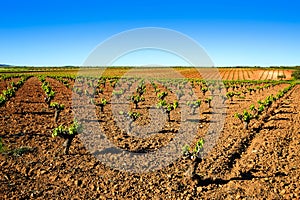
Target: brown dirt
<point x="258" y="163"/>
<point x="6" y="83"/>
<point x="253" y="74"/>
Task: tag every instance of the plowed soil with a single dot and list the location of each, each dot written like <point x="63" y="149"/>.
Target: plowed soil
<point x="262" y="162"/>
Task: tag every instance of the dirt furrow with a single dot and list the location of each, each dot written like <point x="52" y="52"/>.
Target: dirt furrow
<point x="272" y="159"/>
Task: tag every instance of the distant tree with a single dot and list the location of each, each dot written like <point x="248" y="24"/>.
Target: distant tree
<point x="296" y="74"/>
<point x="281" y="76"/>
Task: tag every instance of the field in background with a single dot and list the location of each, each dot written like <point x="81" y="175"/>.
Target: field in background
<point x="224" y="73"/>
<point x="241" y="73"/>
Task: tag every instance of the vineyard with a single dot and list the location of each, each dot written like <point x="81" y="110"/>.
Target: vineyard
<point x="242" y="73"/>
<point x="245" y="73"/>
<point x="47" y="117"/>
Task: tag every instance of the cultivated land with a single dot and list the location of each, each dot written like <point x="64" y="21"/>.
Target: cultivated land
<point x="258" y="161"/>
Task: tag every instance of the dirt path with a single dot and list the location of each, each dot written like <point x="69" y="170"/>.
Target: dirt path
<point x="21" y="113"/>
<point x="270" y="166"/>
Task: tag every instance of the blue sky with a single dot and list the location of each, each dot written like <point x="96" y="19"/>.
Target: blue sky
<point x="233" y="32"/>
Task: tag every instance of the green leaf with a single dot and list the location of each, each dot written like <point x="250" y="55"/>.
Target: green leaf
<point x="186" y="150"/>
<point x="199" y="146"/>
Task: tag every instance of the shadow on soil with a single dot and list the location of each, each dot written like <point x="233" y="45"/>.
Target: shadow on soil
<point x="35" y="113"/>
<point x="243" y="177"/>
<point x="92" y="120"/>
<point x="283" y="112"/>
<point x="278" y="119"/>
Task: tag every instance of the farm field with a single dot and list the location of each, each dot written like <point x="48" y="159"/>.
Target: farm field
<point x="256" y="154"/>
<point x="225" y="73"/>
<point x="243" y="73"/>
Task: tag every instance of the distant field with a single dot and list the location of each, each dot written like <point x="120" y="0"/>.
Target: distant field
<point x="208" y="73"/>
<point x="241" y="73"/>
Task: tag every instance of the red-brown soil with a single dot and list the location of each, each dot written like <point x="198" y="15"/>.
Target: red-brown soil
<point x="7" y="83"/>
<point x="262" y="162"/>
<point x="253" y="74"/>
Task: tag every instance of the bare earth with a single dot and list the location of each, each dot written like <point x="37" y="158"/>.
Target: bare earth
<point x="262" y="162"/>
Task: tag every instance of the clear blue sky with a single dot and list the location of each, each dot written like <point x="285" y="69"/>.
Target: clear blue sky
<point x="233" y="32"/>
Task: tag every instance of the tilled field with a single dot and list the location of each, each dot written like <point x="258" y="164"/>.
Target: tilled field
<point x="262" y="162"/>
